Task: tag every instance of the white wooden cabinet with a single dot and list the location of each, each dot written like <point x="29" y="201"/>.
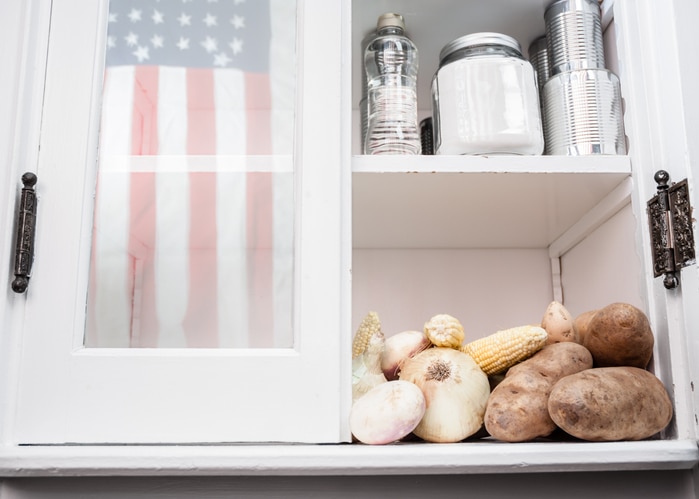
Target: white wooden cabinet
<point x="491" y="240"/>
<point x="176" y="395"/>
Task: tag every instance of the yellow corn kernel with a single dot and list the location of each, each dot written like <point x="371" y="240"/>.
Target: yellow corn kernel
<point x="443" y="330"/>
<point x="500" y="351"/>
<point x="368" y="328"/>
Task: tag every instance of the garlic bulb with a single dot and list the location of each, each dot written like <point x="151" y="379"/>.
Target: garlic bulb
<point x="456" y="391"/>
<point x="387" y="412"/>
<point x="443" y="330"/>
<point x="399" y="348"/>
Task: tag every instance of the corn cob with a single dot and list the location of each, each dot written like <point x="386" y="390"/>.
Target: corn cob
<point x="500" y="351"/>
<point x="367" y="351"/>
<point x="369" y="327"/>
<point x="443" y="330"/>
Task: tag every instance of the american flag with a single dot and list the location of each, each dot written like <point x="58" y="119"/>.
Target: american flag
<point x="193" y="232"/>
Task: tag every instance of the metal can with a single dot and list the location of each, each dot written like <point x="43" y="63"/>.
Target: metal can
<point x="574" y="35"/>
<point x="538" y="56"/>
<point x="485" y="98"/>
<point x="583" y="113"/>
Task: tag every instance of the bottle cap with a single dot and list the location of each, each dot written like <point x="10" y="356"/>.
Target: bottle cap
<point x="390" y="19"/>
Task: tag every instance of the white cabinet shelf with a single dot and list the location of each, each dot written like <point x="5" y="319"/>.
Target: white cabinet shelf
<point x="488" y="201"/>
<point x="347" y="460"/>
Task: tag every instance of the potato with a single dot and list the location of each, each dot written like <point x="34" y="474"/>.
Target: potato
<point x="556" y="361"/>
<point x="619" y="335"/>
<point x="517" y="409"/>
<point x="610" y="403"/>
<point x="582" y="324"/>
<point x="559" y="324"/>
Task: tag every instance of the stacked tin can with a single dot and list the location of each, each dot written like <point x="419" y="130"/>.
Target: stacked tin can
<point x="538" y="56"/>
<point x="582" y="110"/>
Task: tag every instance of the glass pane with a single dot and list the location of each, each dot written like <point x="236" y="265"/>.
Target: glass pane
<point x="194" y="207"/>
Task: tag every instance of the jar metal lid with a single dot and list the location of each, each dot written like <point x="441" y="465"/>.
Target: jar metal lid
<point x="475" y="39"/>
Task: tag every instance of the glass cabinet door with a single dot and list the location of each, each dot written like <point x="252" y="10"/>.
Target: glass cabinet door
<point x="194" y="218"/>
<point x="190" y="274"/>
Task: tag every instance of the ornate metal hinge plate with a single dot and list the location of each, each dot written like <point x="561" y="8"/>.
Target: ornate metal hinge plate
<point x="672" y="237"/>
<point x="26" y="226"/>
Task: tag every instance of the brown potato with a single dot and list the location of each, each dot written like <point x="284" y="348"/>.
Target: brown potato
<point x="559" y="324"/>
<point x="555" y="361"/>
<point x="610" y="403"/>
<point x="619" y="335"/>
<point x="517" y="409"/>
<point x="582" y="324"/>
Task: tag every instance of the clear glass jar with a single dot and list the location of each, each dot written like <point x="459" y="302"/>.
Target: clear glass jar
<point x="485" y="98"/>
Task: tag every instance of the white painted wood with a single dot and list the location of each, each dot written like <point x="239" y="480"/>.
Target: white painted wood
<point x="656" y="84"/>
<point x="687" y="48"/>
<point x="24" y="36"/>
<point x="604" y="267"/>
<point x="619" y="198"/>
<point x="492" y="164"/>
<point x="72" y="394"/>
<point x="483" y="201"/>
<point x="539" y="189"/>
<point x="315" y="460"/>
<point x="486" y="289"/>
<point x="472" y="209"/>
<point x="556" y="283"/>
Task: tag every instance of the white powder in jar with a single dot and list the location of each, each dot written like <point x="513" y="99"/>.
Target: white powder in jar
<point x="487" y="104"/>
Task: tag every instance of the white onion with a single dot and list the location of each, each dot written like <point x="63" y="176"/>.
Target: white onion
<point x="387" y="412"/>
<point x="399" y="348"/>
<point x="456" y="391"/>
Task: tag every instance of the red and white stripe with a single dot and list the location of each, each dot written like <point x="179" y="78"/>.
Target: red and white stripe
<point x="194" y="217"/>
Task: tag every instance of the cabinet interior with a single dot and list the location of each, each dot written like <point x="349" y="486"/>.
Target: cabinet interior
<point x="480" y="237"/>
<point x="432" y="24"/>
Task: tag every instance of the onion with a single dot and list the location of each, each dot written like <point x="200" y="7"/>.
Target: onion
<point x="387" y="412"/>
<point x="399" y="348"/>
<point x="456" y="391"/>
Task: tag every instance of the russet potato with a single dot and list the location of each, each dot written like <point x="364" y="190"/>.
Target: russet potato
<point x="619" y="335"/>
<point x="610" y="403"/>
<point x="517" y="409"/>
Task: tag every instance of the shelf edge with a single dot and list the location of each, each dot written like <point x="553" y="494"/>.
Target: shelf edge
<point x="491" y="164"/>
<point x="345" y="459"/>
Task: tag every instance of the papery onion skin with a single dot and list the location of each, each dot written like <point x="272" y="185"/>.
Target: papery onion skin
<point x="399" y="348"/>
<point x="456" y="392"/>
<point x="387" y="412"/>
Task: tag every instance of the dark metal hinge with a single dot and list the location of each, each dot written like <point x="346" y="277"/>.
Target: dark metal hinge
<point x="26" y="226"/>
<point x="672" y="237"/>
